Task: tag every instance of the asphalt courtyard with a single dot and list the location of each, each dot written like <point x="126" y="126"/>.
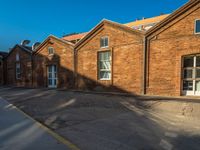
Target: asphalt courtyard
<point x="19" y="132"/>
<point x="107" y="122"/>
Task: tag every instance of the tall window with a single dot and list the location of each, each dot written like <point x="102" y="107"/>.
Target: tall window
<point x="197" y="26"/>
<point x="18" y="71"/>
<point x="104" y="61"/>
<point x="104" y="42"/>
<point x="50" y="50"/>
<point x="191" y="74"/>
<point x="17" y="57"/>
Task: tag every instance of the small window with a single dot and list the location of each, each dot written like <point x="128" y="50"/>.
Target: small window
<point x="17" y="57"/>
<point x="104" y="42"/>
<point x="18" y="71"/>
<point x="104" y="63"/>
<point x="197" y="27"/>
<point x="51" y="50"/>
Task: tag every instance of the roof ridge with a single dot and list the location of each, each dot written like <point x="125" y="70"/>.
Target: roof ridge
<point x="176" y="13"/>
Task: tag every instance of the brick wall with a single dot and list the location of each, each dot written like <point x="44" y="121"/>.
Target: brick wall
<point x="166" y="48"/>
<point x="62" y="58"/>
<point x="127" y="55"/>
<point x="26" y="68"/>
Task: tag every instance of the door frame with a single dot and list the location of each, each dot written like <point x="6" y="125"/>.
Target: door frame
<point x="53" y="76"/>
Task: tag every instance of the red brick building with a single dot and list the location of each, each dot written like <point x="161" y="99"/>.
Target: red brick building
<point x="19" y="66"/>
<point x="2" y="67"/>
<point x="109" y="58"/>
<point x="53" y="64"/>
<point x="156" y="56"/>
<point x="173" y="53"/>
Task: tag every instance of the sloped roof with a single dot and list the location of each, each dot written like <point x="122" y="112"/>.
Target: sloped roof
<point x="22" y="47"/>
<point x="98" y="26"/>
<point x="56" y="38"/>
<point x="26" y="48"/>
<point x="4" y="54"/>
<point x="147" y="21"/>
<point x="173" y="16"/>
<point x="74" y="36"/>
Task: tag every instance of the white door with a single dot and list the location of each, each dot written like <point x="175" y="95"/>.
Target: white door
<point x="52" y="76"/>
<point x="191" y="75"/>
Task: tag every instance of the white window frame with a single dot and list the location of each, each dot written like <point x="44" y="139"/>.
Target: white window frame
<point x="194" y="79"/>
<point x="54" y="76"/>
<point x="108" y="70"/>
<point x="51" y="49"/>
<point x="18" y="74"/>
<point x="196" y="26"/>
<point x="104" y="37"/>
<point x="17" y="57"/>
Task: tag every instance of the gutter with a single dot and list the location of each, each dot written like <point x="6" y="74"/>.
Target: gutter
<point x="75" y="69"/>
<point x="144" y="65"/>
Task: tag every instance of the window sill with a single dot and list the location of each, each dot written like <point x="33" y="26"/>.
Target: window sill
<point x="104" y="79"/>
<point x="197" y="33"/>
<point x="104" y="47"/>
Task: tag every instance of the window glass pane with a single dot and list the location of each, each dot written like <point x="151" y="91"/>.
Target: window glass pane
<point x="50" y="82"/>
<point x="197" y="28"/>
<point x="106" y="41"/>
<point x="188" y="73"/>
<point x="51" y="50"/>
<point x="197" y="73"/>
<point x="50" y="75"/>
<point x="55" y="68"/>
<point x="55" y="82"/>
<point x="18" y="73"/>
<point x="50" y="68"/>
<point x="189" y="62"/>
<point x="198" y="61"/>
<point x="105" y="75"/>
<point x="198" y="86"/>
<point x="104" y="65"/>
<point x="17" y="57"/>
<point x="188" y="85"/>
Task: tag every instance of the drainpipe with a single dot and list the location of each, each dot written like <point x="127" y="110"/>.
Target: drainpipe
<point x="144" y="65"/>
<point x="74" y="71"/>
<point x="32" y="70"/>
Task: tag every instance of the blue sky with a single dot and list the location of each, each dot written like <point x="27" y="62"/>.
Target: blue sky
<point x="35" y="20"/>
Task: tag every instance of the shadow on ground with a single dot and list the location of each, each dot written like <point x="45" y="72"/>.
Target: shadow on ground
<point x="106" y="122"/>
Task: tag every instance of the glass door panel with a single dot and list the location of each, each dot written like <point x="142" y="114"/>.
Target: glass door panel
<point x="52" y="76"/>
<point x="197" y="88"/>
<point x="188" y="73"/>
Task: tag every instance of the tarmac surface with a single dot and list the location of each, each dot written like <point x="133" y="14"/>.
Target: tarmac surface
<point x="19" y="132"/>
<point x="108" y="122"/>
